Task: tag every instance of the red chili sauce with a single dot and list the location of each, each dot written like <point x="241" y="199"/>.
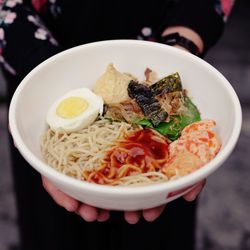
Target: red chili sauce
<point x="142" y="149"/>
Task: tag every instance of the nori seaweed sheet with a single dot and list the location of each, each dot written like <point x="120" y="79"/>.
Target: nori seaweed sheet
<point x="147" y="102"/>
<point x="167" y="84"/>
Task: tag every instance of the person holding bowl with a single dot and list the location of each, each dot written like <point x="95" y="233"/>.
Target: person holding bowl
<point x="32" y="31"/>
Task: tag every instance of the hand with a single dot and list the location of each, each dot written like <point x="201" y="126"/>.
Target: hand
<point x="90" y="214"/>
<point x="188" y="33"/>
<point x="193" y="194"/>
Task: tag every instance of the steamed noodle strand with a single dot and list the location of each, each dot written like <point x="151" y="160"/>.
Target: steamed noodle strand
<point x="83" y="151"/>
<point x="65" y="151"/>
<point x="142" y="179"/>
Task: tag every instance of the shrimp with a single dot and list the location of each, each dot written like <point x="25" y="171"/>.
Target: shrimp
<point x="199" y="126"/>
<point x="182" y="164"/>
<point x="197" y="145"/>
<point x="199" y="139"/>
<point x="193" y="146"/>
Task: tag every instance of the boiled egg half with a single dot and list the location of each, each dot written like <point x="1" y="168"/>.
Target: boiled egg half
<point x="75" y="110"/>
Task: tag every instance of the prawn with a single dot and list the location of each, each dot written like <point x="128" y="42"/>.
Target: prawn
<point x="197" y="145"/>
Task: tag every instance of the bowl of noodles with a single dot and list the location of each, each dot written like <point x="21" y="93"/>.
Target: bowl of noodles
<point x="125" y="124"/>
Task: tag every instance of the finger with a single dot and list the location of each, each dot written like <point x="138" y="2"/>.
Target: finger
<point x="132" y="217"/>
<point x="153" y="213"/>
<point x="88" y="212"/>
<point x="192" y="195"/>
<point x="103" y="215"/>
<point x="59" y="197"/>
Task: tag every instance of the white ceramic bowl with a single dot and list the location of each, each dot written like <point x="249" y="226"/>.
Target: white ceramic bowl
<point x="81" y="66"/>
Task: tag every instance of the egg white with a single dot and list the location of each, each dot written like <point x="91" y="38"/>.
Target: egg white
<point x="84" y="119"/>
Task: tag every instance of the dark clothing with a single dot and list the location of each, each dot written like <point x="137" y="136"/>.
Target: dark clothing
<point x="31" y="33"/>
<point x="25" y="41"/>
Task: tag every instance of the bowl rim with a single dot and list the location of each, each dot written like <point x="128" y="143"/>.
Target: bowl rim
<point x="184" y="181"/>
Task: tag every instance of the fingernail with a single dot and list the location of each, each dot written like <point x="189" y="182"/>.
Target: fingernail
<point x="70" y="207"/>
<point x="87" y="215"/>
<point x="132" y="219"/>
<point x="192" y="197"/>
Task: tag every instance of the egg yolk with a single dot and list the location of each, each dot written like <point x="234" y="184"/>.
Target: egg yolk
<point x="71" y="107"/>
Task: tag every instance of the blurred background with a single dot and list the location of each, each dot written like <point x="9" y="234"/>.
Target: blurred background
<point x="223" y="218"/>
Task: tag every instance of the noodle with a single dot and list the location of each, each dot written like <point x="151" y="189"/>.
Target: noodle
<point x="142" y="179"/>
<point x="82" y="150"/>
<point x="135" y="155"/>
<point x="82" y="154"/>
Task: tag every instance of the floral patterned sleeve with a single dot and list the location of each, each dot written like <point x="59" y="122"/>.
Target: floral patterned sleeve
<point x="23" y="37"/>
<point x="206" y="17"/>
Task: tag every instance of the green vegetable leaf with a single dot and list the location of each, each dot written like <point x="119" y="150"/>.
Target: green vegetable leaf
<point x="193" y="113"/>
<point x="173" y="128"/>
<point x="144" y="122"/>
